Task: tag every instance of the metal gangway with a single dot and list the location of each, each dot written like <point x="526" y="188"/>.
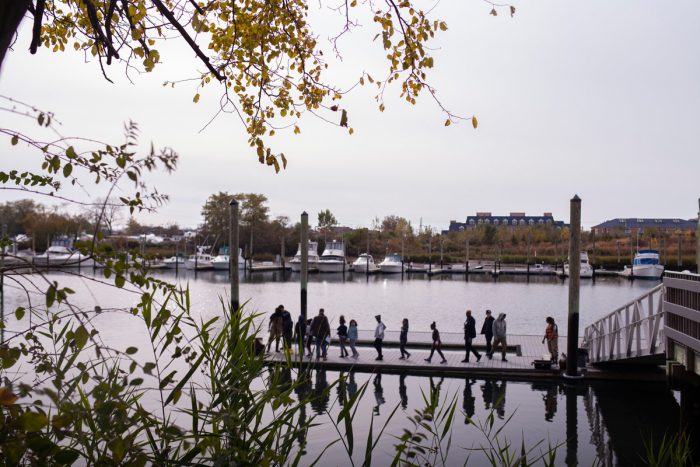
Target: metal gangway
<point x="633" y="333"/>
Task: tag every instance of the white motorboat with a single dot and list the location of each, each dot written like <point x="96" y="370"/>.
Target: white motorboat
<point x="19" y="258"/>
<point x="221" y="261"/>
<point x="59" y="256"/>
<point x="391" y="264"/>
<point x="199" y="261"/>
<point x="333" y="258"/>
<point x="586" y="271"/>
<point x="645" y="265"/>
<point x="174" y="262"/>
<point x="364" y="264"/>
<point x="295" y="263"/>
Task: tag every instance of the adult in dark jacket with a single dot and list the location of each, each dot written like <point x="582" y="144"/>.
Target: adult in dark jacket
<point x="469" y="335"/>
<point x="320" y="329"/>
<point x="300" y="331"/>
<point x="487" y="331"/>
<point x="287" y="327"/>
<point x="437" y="344"/>
<point x="275" y="329"/>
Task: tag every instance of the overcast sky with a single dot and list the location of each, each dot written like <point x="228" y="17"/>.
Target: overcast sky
<point x="596" y="98"/>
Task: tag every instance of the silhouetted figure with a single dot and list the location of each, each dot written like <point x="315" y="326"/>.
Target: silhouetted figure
<point x="378" y="393"/>
<point x="437" y="344"/>
<point x="302" y="389"/>
<point x="320" y="329"/>
<point x="403" y="339"/>
<point x="469" y="335"/>
<point x="300" y="333"/>
<point x="487" y="331"/>
<point x="352" y="337"/>
<point x="499" y="334"/>
<point x="287" y="327"/>
<point x="352" y="385"/>
<point x="379" y="337"/>
<point x="342" y="337"/>
<point x="341" y="389"/>
<point x="403" y="394"/>
<point x="469" y="401"/>
<point x="275" y="329"/>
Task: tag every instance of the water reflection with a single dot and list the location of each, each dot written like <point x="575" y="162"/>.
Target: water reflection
<point x="601" y="422"/>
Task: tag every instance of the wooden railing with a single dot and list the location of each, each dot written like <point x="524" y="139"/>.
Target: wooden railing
<point x="633" y="330"/>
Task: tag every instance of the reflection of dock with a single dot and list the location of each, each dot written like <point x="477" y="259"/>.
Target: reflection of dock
<point x="522" y="350"/>
<point x="267" y="266"/>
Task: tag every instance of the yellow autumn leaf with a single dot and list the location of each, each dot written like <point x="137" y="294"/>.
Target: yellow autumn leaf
<point x="475" y="122"/>
<point x="448" y="122"/>
<point x="196" y="98"/>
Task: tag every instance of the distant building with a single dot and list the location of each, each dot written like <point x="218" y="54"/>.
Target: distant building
<point x="514" y="219"/>
<point x="633" y="224"/>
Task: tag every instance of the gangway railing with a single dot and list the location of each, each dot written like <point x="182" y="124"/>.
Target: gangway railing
<point x="632" y="331"/>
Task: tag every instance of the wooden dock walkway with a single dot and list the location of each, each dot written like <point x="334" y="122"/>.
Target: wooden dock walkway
<point x="522" y="350"/>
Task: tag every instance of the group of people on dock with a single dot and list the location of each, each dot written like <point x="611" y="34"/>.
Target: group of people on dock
<point x="317" y="331"/>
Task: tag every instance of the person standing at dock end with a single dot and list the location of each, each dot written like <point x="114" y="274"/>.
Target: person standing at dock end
<point x="379" y="337"/>
<point x="487" y="331"/>
<point x="469" y="335"/>
<point x="551" y="335"/>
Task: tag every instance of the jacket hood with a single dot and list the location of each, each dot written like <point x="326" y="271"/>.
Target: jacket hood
<point x="501" y="316"/>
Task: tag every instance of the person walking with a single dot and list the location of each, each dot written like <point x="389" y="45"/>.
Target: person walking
<point x="379" y="337"/>
<point x="287" y="327"/>
<point x="469" y="335"/>
<point x="487" y="331"/>
<point x="342" y="337"/>
<point x="320" y="329"/>
<point x="352" y="337"/>
<point x="403" y="340"/>
<point x="275" y="329"/>
<point x="499" y="336"/>
<point x="551" y="335"/>
<point x="437" y="344"/>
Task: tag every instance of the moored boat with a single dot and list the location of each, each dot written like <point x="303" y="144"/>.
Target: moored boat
<point x="333" y="258"/>
<point x="222" y="260"/>
<point x="645" y="265"/>
<point x="391" y="264"/>
<point x="199" y="261"/>
<point x="586" y="271"/>
<point x="364" y="264"/>
<point x="61" y="256"/>
<point x="174" y="262"/>
<point x="295" y="263"/>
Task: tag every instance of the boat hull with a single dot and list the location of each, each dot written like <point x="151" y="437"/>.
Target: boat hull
<point x="644" y="271"/>
<point x="200" y="265"/>
<point x="362" y="268"/>
<point x="63" y="261"/>
<point x="332" y="266"/>
<point x="296" y="266"/>
<point x="390" y="268"/>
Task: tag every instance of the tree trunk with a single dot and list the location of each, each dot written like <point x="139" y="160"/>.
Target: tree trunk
<point x="11" y="14"/>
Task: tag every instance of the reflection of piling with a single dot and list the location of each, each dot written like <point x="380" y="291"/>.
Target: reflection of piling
<point x="233" y="249"/>
<point x="571" y="425"/>
<point x="177" y="259"/>
<point x="304" y="260"/>
<point x="574" y="283"/>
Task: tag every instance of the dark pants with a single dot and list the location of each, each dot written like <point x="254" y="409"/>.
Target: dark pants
<point x="436" y="346"/>
<point x="402" y="348"/>
<point x="378" y="346"/>
<point x="468" y="347"/>
<point x="488" y="344"/>
<point x="287" y="336"/>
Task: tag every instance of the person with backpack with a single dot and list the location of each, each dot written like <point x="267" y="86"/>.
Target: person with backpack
<point x="321" y="329"/>
<point x="287" y="327"/>
<point x="275" y="329"/>
<point x="551" y="335"/>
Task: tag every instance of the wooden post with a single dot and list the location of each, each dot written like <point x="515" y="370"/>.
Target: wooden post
<point x="441" y="262"/>
<point x="574" y="283"/>
<point x="403" y="239"/>
<point x="304" y="260"/>
<point x="617" y="242"/>
<point x="466" y="264"/>
<point x="430" y="252"/>
<point x="233" y="253"/>
<point x="250" y="259"/>
<point x="177" y="258"/>
<point x="367" y="258"/>
<point x="282" y="254"/>
<point x="529" y="235"/>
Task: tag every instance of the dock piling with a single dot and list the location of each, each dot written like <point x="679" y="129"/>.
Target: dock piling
<point x="697" y="242"/>
<point x="304" y="260"/>
<point x="574" y="288"/>
<point x="232" y="253"/>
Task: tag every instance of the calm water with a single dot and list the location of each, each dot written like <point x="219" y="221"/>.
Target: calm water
<point x="608" y="422"/>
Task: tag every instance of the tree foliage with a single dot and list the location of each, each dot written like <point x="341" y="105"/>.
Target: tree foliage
<point x="264" y="54"/>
